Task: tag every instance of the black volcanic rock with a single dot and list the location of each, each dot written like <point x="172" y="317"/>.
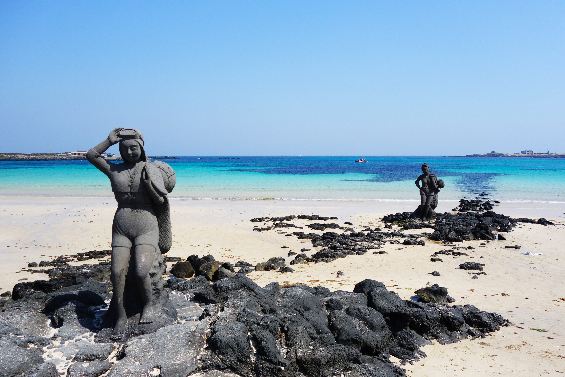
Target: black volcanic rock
<point x="272" y="264"/>
<point x="434" y="293"/>
<point x="70" y="275"/>
<point x="477" y="204"/>
<point x="471" y="266"/>
<point x="230" y="343"/>
<point x="228" y="323"/>
<point x="470" y="226"/>
<point x="299" y="329"/>
<point x="248" y="329"/>
<point x="183" y="270"/>
<point x="413" y="241"/>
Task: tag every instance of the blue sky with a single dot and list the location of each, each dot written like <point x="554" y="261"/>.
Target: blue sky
<point x="285" y="77"/>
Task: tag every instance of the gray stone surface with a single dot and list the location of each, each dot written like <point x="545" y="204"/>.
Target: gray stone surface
<point x="70" y="349"/>
<point x="89" y="369"/>
<point x="96" y="351"/>
<point x="7" y="329"/>
<point x="46" y="369"/>
<point x="214" y="373"/>
<point x="185" y="307"/>
<point x="27" y="316"/>
<point x="17" y="357"/>
<point x="173" y="350"/>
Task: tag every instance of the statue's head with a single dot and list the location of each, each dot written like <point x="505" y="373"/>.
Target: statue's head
<point x="425" y="168"/>
<point x="131" y="147"/>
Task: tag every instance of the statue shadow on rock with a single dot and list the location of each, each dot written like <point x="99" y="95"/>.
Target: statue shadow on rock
<point x="77" y="307"/>
<point x="424" y="212"/>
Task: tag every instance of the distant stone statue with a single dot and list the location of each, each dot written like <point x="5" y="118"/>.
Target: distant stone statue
<point x="141" y="232"/>
<point x="429" y="187"/>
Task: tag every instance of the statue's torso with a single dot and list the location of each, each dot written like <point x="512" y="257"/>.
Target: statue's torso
<point x="424" y="184"/>
<point x="127" y="185"/>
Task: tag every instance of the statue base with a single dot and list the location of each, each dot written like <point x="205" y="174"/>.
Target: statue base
<point x="424" y="212"/>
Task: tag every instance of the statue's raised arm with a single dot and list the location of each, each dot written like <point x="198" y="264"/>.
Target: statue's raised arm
<point x="94" y="155"/>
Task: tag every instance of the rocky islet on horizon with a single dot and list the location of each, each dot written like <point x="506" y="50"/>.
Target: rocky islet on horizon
<point x="65" y="156"/>
<point x="523" y="154"/>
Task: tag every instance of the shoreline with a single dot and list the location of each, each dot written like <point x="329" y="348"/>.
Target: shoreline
<point x="40" y="228"/>
<point x="503" y="203"/>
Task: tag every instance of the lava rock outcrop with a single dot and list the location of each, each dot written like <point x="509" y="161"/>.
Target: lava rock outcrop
<point x="299" y="330"/>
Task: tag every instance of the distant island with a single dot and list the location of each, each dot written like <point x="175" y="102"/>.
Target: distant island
<point x="65" y="156"/>
<point x="526" y="153"/>
<point x="79" y="155"/>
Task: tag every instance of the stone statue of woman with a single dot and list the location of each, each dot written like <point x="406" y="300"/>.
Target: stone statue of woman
<point x="141" y="230"/>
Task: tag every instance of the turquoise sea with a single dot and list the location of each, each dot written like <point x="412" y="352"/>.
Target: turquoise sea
<point x="308" y="178"/>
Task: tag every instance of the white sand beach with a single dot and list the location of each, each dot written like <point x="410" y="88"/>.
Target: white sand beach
<point x="526" y="285"/>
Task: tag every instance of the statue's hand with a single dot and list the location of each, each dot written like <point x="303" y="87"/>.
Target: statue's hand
<point x="149" y="185"/>
<point x="114" y="136"/>
<point x="145" y="177"/>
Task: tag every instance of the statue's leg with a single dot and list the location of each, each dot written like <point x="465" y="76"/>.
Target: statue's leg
<point x="144" y="256"/>
<point x="120" y="263"/>
<point x="428" y="211"/>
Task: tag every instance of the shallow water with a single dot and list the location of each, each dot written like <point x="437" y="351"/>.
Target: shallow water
<point x="309" y="178"/>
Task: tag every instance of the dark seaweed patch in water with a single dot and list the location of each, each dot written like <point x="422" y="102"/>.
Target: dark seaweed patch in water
<point x="476" y="183"/>
<point x="542" y="169"/>
<point x="381" y="171"/>
<point x="472" y="183"/>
